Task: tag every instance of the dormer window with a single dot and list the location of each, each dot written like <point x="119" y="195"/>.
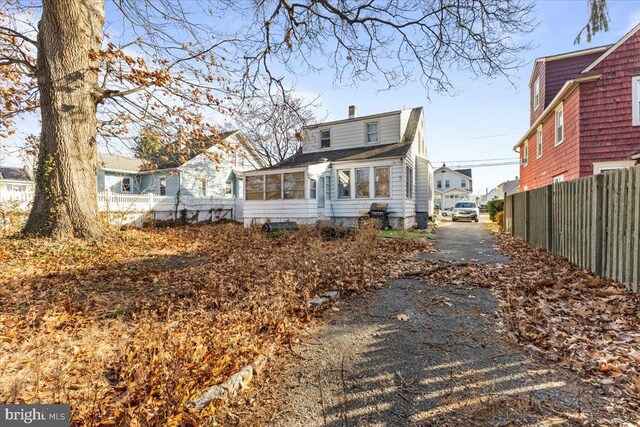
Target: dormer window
<point x="536" y="93"/>
<point x="372" y="132"/>
<point x="325" y="138"/>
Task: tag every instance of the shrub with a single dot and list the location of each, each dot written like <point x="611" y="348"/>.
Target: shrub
<point x="493" y="207"/>
<point x="499" y="219"/>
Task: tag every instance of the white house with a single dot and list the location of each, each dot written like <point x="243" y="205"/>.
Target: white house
<point x="342" y="168"/>
<point x="452" y="186"/>
<point x="15" y="179"/>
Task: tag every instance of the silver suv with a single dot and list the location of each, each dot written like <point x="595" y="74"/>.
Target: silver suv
<point x="465" y="210"/>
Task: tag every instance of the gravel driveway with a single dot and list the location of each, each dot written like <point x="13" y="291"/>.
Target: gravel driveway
<point x="418" y="354"/>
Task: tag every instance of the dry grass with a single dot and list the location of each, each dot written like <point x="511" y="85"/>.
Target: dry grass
<point x="128" y="329"/>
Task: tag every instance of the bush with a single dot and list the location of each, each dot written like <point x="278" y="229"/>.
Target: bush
<point x="493" y="207"/>
<point x="499" y="219"/>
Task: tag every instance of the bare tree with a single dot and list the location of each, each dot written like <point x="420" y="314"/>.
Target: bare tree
<point x="274" y="126"/>
<point x="172" y="67"/>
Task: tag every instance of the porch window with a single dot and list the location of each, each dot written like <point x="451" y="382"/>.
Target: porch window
<point x="255" y="187"/>
<point x="293" y="185"/>
<point x="372" y="132"/>
<point x="559" y="125"/>
<point x="409" y="182"/>
<point x="126" y="184"/>
<point x="635" y="96"/>
<point x="383" y="181"/>
<point x="344" y="184"/>
<point x="362" y="183"/>
<point x="325" y="138"/>
<point x="162" y="183"/>
<point x="313" y="188"/>
<point x="273" y="187"/>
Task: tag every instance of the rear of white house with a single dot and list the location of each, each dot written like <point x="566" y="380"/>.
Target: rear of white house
<point x="343" y="167"/>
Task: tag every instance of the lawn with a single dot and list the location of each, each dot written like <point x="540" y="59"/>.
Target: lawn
<point x="405" y="234"/>
<point x="128" y="329"/>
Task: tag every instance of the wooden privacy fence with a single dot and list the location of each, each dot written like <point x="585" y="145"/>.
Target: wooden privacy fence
<point x="594" y="222"/>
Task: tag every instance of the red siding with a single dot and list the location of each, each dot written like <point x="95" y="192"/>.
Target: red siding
<point x="560" y="160"/>
<point x="559" y="71"/>
<point x="538" y="73"/>
<point x="607" y="132"/>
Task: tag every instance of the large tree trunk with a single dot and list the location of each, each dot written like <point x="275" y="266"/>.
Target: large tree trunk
<point x="65" y="203"/>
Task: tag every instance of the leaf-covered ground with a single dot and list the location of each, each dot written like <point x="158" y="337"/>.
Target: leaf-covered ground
<point x="562" y="313"/>
<point x="130" y="328"/>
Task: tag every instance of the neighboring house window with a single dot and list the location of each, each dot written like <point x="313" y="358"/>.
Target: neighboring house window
<point x="255" y="187"/>
<point x="273" y="187"/>
<point x="362" y="182"/>
<point x="162" y="183"/>
<point x="446" y="183"/>
<point x="439" y="183"/>
<point x="559" y="178"/>
<point x="635" y="85"/>
<point x="383" y="181"/>
<point x="313" y="188"/>
<point x="228" y="188"/>
<point x="536" y="93"/>
<point x="539" y="142"/>
<point x="409" y="182"/>
<point x="325" y="138"/>
<point x="525" y="153"/>
<point x="372" y="132"/>
<point x="344" y="184"/>
<point x="9" y="187"/>
<point x="202" y="187"/>
<point x="560" y="125"/>
<point x="126" y="184"/>
<point x="463" y="183"/>
<point x="293" y="185"/>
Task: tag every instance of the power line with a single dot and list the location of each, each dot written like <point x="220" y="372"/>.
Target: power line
<point x="475" y="160"/>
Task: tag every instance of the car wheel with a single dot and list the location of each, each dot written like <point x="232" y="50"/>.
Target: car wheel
<point x="476" y="220"/>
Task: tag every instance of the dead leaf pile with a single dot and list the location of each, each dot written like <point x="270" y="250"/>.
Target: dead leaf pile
<point x="582" y="322"/>
<point x="128" y="329"/>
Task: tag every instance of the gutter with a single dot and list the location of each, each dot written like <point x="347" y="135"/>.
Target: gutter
<point x="565" y="91"/>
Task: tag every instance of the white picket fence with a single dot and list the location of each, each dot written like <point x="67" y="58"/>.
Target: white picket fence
<point x="137" y="208"/>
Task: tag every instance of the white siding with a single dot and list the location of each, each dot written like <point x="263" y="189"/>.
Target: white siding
<point x="424" y="186"/>
<point x="351" y="133"/>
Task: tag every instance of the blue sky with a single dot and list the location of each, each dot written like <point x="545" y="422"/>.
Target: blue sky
<point x="486" y="117"/>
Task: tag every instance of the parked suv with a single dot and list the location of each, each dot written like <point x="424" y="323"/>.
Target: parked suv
<point x="465" y="210"/>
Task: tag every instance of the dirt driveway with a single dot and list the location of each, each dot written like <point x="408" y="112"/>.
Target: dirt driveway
<point x="419" y="354"/>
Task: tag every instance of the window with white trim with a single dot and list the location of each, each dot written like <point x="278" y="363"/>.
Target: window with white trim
<point x="162" y="184"/>
<point x="525" y="153"/>
<point x="536" y="93"/>
<point x="539" y="142"/>
<point x="372" y="132"/>
<point x="362" y="183"/>
<point x="409" y="182"/>
<point x="126" y="184"/>
<point x="201" y="188"/>
<point x="273" y="187"/>
<point x="439" y="183"/>
<point x="557" y="179"/>
<point x="255" y="187"/>
<point x="293" y="185"/>
<point x="325" y="138"/>
<point x="446" y="183"/>
<point x="635" y="96"/>
<point x="313" y="188"/>
<point x="382" y="176"/>
<point x="560" y="125"/>
<point x="344" y="184"/>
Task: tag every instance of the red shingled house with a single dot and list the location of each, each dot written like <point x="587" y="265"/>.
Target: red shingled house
<point x="585" y="114"/>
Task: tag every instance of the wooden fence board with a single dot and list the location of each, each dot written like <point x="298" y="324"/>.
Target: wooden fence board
<point x="594" y="222"/>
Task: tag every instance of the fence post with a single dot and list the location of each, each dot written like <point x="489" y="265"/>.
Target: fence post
<point x="596" y="230"/>
<point x="513" y="211"/>
<point x="550" y="224"/>
<point x="527" y="225"/>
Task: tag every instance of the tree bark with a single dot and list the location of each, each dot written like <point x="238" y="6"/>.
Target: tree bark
<point x="65" y="203"/>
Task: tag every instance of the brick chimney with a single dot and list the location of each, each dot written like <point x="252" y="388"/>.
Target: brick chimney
<point x="353" y="112"/>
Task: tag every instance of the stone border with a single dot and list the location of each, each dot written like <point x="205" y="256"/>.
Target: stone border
<point x="235" y="383"/>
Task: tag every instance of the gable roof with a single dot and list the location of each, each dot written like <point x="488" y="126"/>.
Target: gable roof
<point x="510" y="187"/>
<point x="116" y="162"/>
<point x="611" y="49"/>
<point x="14" y="173"/>
<point x="462" y="172"/>
<point x="385" y="151"/>
<point x="412" y="124"/>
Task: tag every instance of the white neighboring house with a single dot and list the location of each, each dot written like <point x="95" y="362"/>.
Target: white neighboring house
<point x="508" y="188"/>
<point x="452" y="186"/>
<point x="343" y="167"/>
<point x="15" y="179"/>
